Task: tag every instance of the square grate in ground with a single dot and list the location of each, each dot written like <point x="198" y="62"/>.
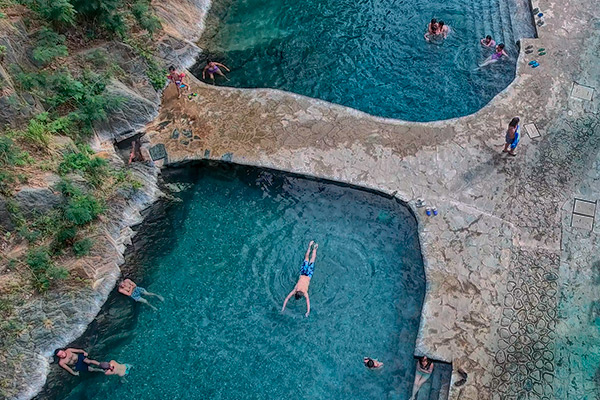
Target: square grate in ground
<point x="584" y="213"/>
<point x="532" y="131"/>
<point x="582" y="92"/>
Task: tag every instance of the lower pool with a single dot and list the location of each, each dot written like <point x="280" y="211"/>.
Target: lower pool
<point x="224" y="256"/>
<point x="367" y="54"/>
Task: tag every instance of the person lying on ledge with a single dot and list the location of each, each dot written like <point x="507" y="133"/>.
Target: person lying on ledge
<point x="306" y="273"/>
<point x="130" y="289"/>
<point x="76" y="358"/>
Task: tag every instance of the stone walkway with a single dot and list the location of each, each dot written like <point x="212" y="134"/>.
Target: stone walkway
<point x="512" y="296"/>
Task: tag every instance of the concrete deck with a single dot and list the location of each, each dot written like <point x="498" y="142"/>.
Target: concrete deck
<point x="512" y="293"/>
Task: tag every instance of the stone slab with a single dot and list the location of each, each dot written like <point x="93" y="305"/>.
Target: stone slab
<point x="585" y="207"/>
<point x="532" y="131"/>
<point x="582" y="222"/>
<point x="582" y="92"/>
<point x="158" y="152"/>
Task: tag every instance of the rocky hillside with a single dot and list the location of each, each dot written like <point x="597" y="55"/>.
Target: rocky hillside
<point x="77" y="78"/>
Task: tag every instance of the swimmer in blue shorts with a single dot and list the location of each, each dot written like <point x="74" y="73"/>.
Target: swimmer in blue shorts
<point x="306" y="273"/>
<point x="76" y="358"/>
<point x="130" y="289"/>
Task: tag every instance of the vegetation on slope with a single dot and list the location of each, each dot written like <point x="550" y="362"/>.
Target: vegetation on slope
<point x="62" y="86"/>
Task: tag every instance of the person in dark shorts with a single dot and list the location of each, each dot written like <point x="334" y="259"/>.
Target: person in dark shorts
<point x="77" y="359"/>
<point x="129" y="288"/>
<point x="306" y="273"/>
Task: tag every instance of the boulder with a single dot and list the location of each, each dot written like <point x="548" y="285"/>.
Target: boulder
<point x="34" y="201"/>
<point x="136" y="110"/>
<point x="178" y="52"/>
<point x="5" y="218"/>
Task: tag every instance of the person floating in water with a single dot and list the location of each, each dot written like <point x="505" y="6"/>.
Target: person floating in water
<point x="513" y="135"/>
<point x="306" y="273"/>
<point x="213" y="68"/>
<point x="114" y="368"/>
<point x="422" y="374"/>
<point x="372" y="364"/>
<point x="129" y="288"/>
<point x="433" y="29"/>
<point x="76" y="358"/>
<point x="488" y="41"/>
<point x="177" y="78"/>
<point x="443" y="29"/>
<point x="498" y="54"/>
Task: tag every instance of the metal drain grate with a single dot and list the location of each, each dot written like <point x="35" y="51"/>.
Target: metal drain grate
<point x="582" y="92"/>
<point x="584" y="213"/>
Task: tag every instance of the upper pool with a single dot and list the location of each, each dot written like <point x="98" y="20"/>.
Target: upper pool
<point x="366" y="54"/>
<point x="224" y="258"/>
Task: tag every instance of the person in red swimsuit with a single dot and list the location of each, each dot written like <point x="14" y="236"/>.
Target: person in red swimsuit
<point x="177" y="78"/>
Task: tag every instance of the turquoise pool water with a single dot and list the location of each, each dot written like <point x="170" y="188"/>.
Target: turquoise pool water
<point x="225" y="257"/>
<point x="367" y="54"/>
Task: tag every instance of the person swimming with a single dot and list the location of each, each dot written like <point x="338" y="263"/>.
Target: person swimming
<point x="114" y="368"/>
<point x="129" y="288"/>
<point x="433" y="29"/>
<point x="213" y="68"/>
<point x="443" y="29"/>
<point x="306" y="272"/>
<point x="498" y="54"/>
<point x="371" y="363"/>
<point x="488" y="41"/>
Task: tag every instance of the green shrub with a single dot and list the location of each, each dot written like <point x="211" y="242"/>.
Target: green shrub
<point x="95" y="169"/>
<point x="82" y="247"/>
<point x="57" y="12"/>
<point x="49" y="46"/>
<point x="43" y="270"/>
<point x="103" y="12"/>
<point x="82" y="208"/>
<point x="65" y="236"/>
<point x="41" y="128"/>
<point x="2" y="51"/>
<point x="145" y="16"/>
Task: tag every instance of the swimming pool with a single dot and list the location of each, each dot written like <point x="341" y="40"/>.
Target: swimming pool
<point x="225" y="257"/>
<point x="368" y="54"/>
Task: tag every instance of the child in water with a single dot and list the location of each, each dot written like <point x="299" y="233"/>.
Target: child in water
<point x="498" y="54"/>
<point x="488" y="41"/>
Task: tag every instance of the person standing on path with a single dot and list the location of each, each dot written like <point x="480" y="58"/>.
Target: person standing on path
<point x="306" y="273"/>
<point x="177" y="78"/>
<point x="513" y="135"/>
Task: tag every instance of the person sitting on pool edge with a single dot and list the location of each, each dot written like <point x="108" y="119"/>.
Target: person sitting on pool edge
<point x="372" y="364"/>
<point x="130" y="289"/>
<point x="76" y="358"/>
<point x="306" y="273"/>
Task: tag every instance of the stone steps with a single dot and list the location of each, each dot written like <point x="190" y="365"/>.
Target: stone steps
<point x="438" y="386"/>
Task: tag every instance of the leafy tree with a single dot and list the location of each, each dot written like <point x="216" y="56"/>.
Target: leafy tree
<point x="145" y="17"/>
<point x="50" y="45"/>
<point x="57" y="12"/>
